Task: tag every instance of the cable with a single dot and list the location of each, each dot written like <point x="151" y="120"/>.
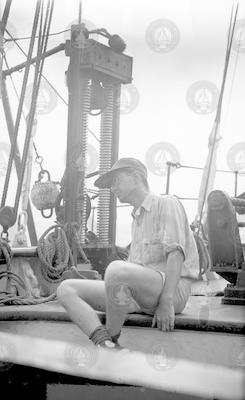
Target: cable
<point x="23" y="52"/>
<point x="13" y="84"/>
<point x="218" y="112"/>
<point x="28" y="37"/>
<point x="231" y="87"/>
<point x="49" y="83"/>
<point x="42" y="45"/>
<point x="18" y="116"/>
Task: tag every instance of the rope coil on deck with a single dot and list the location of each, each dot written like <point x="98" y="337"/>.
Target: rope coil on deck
<point x="12" y="299"/>
<point x="5" y="251"/>
<point x="8" y="298"/>
<point x="54" y="251"/>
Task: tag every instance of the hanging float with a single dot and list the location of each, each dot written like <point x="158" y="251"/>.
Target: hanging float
<point x="44" y="195"/>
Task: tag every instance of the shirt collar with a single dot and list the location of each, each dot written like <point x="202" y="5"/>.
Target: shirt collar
<point x="146" y="204"/>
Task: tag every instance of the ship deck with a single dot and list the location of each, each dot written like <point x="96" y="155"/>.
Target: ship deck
<point x="204" y="311"/>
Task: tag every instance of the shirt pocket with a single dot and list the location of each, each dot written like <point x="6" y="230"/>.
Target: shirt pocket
<point x="153" y="252"/>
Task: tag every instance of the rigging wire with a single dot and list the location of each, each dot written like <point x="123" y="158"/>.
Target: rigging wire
<point x="39" y="159"/>
<point x="232" y="85"/>
<point x="218" y="113"/>
<point x="18" y="116"/>
<point x="178" y="165"/>
<point x="23" y="52"/>
<point x="42" y="45"/>
<point x="13" y="84"/>
<point x="49" y="83"/>
<point x="80" y="12"/>
<point x="28" y="37"/>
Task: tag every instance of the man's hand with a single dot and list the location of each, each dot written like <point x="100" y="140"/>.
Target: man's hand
<point x="164" y="316"/>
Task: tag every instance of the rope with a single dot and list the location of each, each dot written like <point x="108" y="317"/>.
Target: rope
<point x="5" y="251"/>
<point x="8" y="298"/>
<point x="15" y="277"/>
<point x="12" y="299"/>
<point x="204" y="257"/>
<point x="54" y="252"/>
<point x="72" y="232"/>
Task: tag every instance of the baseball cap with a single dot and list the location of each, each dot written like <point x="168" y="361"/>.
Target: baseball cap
<point x="105" y="180"/>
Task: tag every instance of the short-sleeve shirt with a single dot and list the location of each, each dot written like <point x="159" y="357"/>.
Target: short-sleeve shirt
<point x="160" y="226"/>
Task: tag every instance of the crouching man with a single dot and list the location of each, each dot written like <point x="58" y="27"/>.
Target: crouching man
<point x="162" y="264"/>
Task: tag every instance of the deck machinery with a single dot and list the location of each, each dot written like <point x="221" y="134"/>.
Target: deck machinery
<point x="225" y="247"/>
<point x="94" y="79"/>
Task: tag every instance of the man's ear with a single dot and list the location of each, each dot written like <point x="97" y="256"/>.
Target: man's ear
<point x="136" y="177"/>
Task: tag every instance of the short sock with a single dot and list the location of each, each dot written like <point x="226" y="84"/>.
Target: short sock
<point x="101" y="337"/>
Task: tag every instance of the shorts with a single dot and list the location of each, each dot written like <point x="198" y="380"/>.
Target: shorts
<point x="182" y="294"/>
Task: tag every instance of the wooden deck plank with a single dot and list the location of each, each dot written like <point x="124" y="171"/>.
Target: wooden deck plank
<point x="200" y="313"/>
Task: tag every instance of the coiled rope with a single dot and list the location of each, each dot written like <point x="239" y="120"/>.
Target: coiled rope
<point x="8" y="298"/>
<point x="55" y="253"/>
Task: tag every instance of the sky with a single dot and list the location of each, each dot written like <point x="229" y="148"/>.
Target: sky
<point x="167" y="112"/>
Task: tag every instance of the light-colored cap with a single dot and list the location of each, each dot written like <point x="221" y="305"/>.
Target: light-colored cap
<point x="105" y="180"/>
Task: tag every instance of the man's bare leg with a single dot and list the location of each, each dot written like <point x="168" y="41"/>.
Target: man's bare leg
<point x="124" y="283"/>
<point x="81" y="298"/>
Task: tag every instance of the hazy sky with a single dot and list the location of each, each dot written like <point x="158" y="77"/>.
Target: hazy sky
<point x="167" y="113"/>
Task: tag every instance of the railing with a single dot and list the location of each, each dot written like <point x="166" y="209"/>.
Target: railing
<point x="178" y="165"/>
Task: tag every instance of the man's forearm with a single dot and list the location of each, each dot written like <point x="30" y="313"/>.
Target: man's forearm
<point x="173" y="272"/>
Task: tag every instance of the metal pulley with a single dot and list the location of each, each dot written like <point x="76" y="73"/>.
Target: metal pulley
<point x="44" y="194"/>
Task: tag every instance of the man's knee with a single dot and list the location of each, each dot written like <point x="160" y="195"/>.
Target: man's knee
<point x="117" y="270"/>
<point x="65" y="290"/>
